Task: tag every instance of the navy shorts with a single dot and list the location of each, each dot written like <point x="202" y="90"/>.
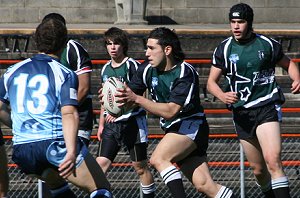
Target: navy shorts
<point x="246" y="121"/>
<point x="36" y="157"/>
<point x="131" y="133"/>
<point x="1" y="138"/>
<point x="197" y="129"/>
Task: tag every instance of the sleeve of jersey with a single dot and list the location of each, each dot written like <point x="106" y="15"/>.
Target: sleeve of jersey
<point x="182" y="88"/>
<point x="136" y="83"/>
<point x="3" y="93"/>
<point x="278" y="52"/>
<point x="218" y="57"/>
<point x="69" y="88"/>
<point x="78" y="58"/>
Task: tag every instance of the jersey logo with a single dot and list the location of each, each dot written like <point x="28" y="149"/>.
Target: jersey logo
<point x="234" y="78"/>
<point x="171" y="85"/>
<point x="105" y="77"/>
<point x="154" y="81"/>
<point x="32" y="126"/>
<point x="261" y="54"/>
<point x="244" y="94"/>
<point x="234" y="58"/>
<point x="263" y="77"/>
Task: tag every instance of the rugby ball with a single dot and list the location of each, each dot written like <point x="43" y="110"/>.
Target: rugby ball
<point x="109" y="101"/>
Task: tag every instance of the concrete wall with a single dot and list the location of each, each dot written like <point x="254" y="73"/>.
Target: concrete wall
<point x="157" y="11"/>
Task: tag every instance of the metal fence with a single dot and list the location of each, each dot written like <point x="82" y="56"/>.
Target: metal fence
<point x="224" y="158"/>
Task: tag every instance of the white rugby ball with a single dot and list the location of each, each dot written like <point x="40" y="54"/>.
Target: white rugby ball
<point x="109" y="101"/>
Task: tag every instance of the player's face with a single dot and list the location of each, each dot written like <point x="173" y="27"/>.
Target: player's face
<point x="239" y="28"/>
<point x="114" y="49"/>
<point x="155" y="53"/>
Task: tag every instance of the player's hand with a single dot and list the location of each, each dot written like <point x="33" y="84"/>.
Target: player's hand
<point x="125" y="96"/>
<point x="295" y="89"/>
<point x="67" y="167"/>
<point x="229" y="97"/>
<point x="110" y="118"/>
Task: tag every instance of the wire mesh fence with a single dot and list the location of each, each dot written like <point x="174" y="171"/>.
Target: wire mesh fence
<point x="223" y="155"/>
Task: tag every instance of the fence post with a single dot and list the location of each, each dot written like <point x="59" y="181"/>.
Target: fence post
<point x="242" y="171"/>
<point x="40" y="188"/>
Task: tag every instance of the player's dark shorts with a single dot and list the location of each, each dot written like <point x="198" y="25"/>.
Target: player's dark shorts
<point x="36" y="157"/>
<point x="195" y="128"/>
<point x="246" y="121"/>
<point x="132" y="133"/>
<point x="1" y="138"/>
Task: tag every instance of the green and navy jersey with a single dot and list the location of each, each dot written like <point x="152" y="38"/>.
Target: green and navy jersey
<point x="76" y="58"/>
<point x="124" y="73"/>
<point x="249" y="69"/>
<point x="179" y="85"/>
<point x="36" y="89"/>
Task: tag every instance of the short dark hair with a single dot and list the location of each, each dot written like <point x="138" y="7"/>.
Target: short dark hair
<point x="117" y="35"/>
<point x="167" y="37"/>
<point x="56" y="16"/>
<point x="50" y="36"/>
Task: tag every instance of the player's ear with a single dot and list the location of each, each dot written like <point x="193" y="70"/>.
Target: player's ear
<point x="168" y="50"/>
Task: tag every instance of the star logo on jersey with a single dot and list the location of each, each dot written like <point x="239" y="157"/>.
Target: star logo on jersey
<point x="245" y="93"/>
<point x="232" y="76"/>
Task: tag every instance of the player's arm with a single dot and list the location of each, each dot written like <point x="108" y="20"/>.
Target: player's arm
<point x="293" y="70"/>
<point x="70" y="121"/>
<point x="80" y="62"/>
<point x="165" y="110"/>
<point x="214" y="88"/>
<point x="5" y="114"/>
<point x="84" y="81"/>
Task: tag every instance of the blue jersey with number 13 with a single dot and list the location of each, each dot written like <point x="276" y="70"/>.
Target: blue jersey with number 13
<point x="36" y="89"/>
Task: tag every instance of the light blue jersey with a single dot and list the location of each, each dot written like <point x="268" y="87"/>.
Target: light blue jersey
<point x="36" y="89"/>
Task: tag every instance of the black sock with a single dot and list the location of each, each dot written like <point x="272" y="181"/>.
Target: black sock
<point x="148" y="190"/>
<point x="224" y="192"/>
<point x="269" y="194"/>
<point x="282" y="192"/>
<point x="280" y="187"/>
<point x="172" y="177"/>
<point x="176" y="188"/>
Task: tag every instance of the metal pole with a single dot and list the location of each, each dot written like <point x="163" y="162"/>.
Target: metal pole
<point x="40" y="188"/>
<point x="242" y="171"/>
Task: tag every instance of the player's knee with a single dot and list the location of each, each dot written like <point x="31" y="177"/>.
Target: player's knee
<point x="155" y="161"/>
<point x="104" y="163"/>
